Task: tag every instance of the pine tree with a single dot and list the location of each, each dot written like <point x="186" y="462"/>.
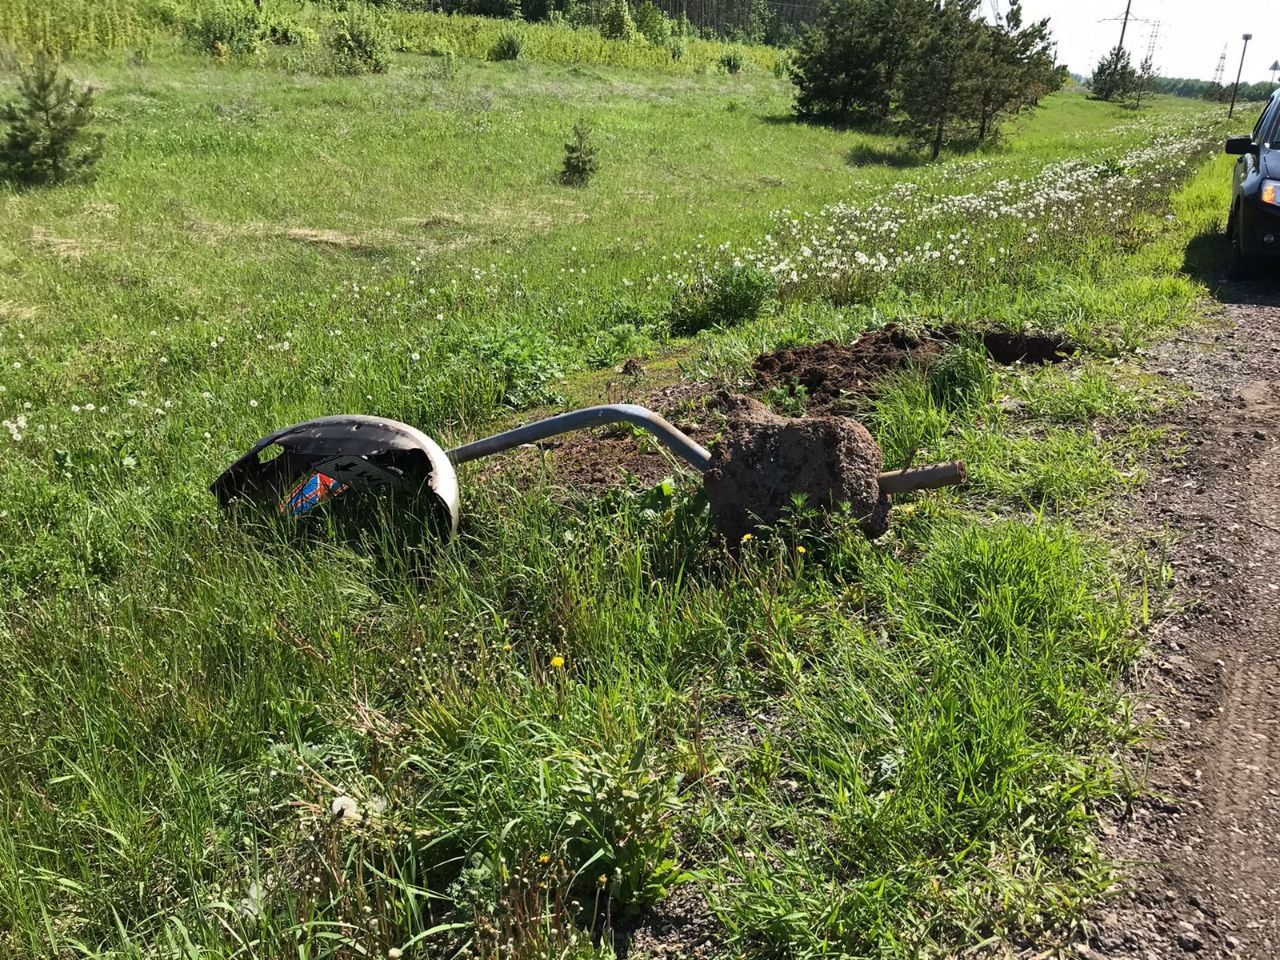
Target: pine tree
<point x="47" y="139"/>
<point x="1145" y="82"/>
<point x="580" y="163"/>
<point x="846" y="66"/>
<point x="1015" y="71"/>
<point x="1114" y="76"/>
<point x="942" y="80"/>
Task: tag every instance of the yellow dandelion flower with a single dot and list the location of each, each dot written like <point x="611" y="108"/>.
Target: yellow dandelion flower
<point x="746" y="537"/>
<point x="801" y="550"/>
<point x="557" y="663"/>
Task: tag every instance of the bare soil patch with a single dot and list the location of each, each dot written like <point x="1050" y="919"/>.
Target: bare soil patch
<point x="838" y="376"/>
<point x="835" y="374"/>
<point x="836" y="379"/>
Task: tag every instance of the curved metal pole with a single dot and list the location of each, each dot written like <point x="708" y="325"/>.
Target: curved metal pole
<point x="678" y="443"/>
<point x="929" y="477"/>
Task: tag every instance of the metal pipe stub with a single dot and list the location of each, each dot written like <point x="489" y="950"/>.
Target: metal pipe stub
<point x="929" y="477"/>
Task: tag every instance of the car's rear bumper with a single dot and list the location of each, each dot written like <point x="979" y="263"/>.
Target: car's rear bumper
<point x="1260" y="229"/>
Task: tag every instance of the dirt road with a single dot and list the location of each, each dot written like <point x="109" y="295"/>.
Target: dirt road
<point x="1206" y="844"/>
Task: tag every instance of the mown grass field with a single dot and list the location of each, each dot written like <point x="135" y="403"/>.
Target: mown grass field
<point x="827" y="747"/>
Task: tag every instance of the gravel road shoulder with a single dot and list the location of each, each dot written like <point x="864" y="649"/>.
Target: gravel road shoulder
<point x="1204" y="845"/>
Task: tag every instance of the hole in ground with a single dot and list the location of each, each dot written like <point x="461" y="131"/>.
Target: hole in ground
<point x="1008" y="348"/>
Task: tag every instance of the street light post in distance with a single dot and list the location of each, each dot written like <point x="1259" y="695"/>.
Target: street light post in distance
<point x="1234" y="90"/>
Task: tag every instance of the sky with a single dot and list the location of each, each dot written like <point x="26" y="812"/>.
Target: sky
<point x="1190" y="40"/>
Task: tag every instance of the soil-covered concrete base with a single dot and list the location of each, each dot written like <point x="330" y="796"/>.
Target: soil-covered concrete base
<point x="763" y="462"/>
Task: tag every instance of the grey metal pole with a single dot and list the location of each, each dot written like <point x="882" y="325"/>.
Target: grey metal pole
<point x="1125" y="23"/>
<point x="1240" y="70"/>
<point x="693" y="453"/>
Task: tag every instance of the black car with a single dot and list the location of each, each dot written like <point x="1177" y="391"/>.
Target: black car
<point x="1254" y="224"/>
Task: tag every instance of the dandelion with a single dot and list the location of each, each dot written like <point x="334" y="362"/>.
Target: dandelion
<point x="557" y="662"/>
<point x="801" y="549"/>
<point x="747" y="536"/>
<point x="415" y="356"/>
<point x="344" y="808"/>
<point x="394" y="953"/>
<point x="253" y="403"/>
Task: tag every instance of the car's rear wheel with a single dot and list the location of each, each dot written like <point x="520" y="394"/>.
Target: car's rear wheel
<point x="1243" y="266"/>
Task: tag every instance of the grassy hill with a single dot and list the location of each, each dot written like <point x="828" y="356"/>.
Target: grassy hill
<point x="585" y="716"/>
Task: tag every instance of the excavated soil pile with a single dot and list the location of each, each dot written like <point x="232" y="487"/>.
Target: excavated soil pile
<point x="834" y="373"/>
<point x="838" y="376"/>
<point x="763" y="461"/>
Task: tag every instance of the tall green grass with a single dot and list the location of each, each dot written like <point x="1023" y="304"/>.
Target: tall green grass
<point x="537" y="731"/>
<point x="78" y="28"/>
<point x="548" y="43"/>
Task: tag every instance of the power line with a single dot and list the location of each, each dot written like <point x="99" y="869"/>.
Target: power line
<point x="1152" y="42"/>
<point x="1222" y="67"/>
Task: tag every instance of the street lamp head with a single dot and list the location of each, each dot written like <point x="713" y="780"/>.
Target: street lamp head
<point x="1248" y="37"/>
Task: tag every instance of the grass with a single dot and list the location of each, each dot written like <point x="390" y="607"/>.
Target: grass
<point x="79" y="28"/>
<point x="538" y="731"/>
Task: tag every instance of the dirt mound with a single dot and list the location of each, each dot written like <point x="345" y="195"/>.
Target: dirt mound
<point x="763" y="461"/>
<point x="832" y="373"/>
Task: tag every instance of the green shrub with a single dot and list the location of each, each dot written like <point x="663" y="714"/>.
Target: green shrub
<point x="617" y="343"/>
<point x="438" y="47"/>
<point x="580" y="163"/>
<point x="234" y="28"/>
<point x="282" y="33"/>
<point x="618" y="24"/>
<point x="507" y="46"/>
<point x="46" y="137"/>
<point x="559" y="40"/>
<point x="653" y="24"/>
<point x="731" y="61"/>
<point x="359" y="44"/>
<point x="724" y="299"/>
